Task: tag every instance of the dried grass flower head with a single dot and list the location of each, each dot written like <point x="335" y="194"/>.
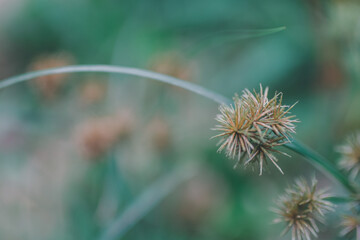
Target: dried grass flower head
<point x="49" y="86"/>
<point x="350" y="225"/>
<point x="301" y="207"/>
<point x="97" y="136"/>
<point x="200" y="197"/>
<point x="160" y="133"/>
<point x="253" y="126"/>
<point x="92" y="92"/>
<point x="174" y="64"/>
<point x="350" y="155"/>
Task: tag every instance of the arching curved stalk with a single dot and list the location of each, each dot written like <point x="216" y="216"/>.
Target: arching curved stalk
<point x="313" y="157"/>
<point x="321" y="163"/>
<point x="122" y="70"/>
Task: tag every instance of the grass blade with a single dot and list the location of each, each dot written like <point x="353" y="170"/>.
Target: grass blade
<point x="121" y="70"/>
<point x="321" y="163"/>
<point x="231" y="36"/>
<point x="150" y="198"/>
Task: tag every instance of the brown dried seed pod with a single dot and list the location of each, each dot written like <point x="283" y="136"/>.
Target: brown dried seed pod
<point x="160" y="133"/>
<point x="49" y="86"/>
<point x="173" y="64"/>
<point x="92" y="92"/>
<point x="97" y="136"/>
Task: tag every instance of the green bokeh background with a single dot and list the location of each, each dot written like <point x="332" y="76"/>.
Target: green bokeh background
<point x="49" y="190"/>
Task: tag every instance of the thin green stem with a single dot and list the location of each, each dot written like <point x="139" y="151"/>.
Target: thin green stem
<point x="340" y="200"/>
<point x="230" y="36"/>
<point x="148" y="200"/>
<point x="122" y="70"/>
<point x="321" y="163"/>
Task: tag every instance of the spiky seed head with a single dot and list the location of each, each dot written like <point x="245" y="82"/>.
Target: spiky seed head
<point x="234" y="128"/>
<point x="253" y="126"/>
<point x="350" y="155"/>
<point x="269" y="113"/>
<point x="301" y="207"/>
<point x="349" y="224"/>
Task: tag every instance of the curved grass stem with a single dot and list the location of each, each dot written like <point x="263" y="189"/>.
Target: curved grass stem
<point x="321" y="163"/>
<point x="117" y="69"/>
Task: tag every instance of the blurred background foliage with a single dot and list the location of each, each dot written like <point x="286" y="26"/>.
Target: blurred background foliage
<point x="78" y="149"/>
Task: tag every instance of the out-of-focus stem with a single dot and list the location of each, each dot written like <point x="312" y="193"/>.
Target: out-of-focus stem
<point x="321" y="163"/>
<point x="340" y="200"/>
<point x="120" y="70"/>
<point x="150" y="198"/>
